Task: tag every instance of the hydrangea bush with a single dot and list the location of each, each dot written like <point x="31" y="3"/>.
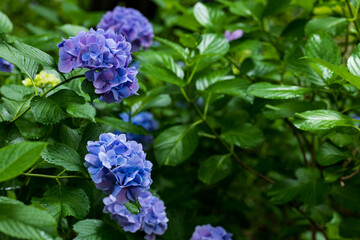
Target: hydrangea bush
<point x="180" y="120"/>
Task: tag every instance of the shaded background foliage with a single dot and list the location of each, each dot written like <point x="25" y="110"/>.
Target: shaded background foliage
<point x="293" y="120"/>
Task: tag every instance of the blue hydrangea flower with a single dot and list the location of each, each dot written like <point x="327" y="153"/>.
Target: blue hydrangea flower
<point x="231" y="36"/>
<point x="130" y="23"/>
<point x="118" y="167"/>
<point x="208" y="232"/>
<point x="147" y="121"/>
<point x="5" y="66"/>
<point x="94" y="50"/>
<point x="151" y="219"/>
<point x="114" y="84"/>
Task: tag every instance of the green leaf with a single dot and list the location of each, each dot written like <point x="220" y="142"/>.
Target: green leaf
<point x="15" y="107"/>
<point x="91" y="132"/>
<point x="31" y="129"/>
<point x="349" y="227"/>
<point x="16" y="92"/>
<point x="5" y="23"/>
<point x="88" y="87"/>
<point x="82" y="111"/>
<point x="339" y="70"/>
<point x="284" y="191"/>
<point x="94" y="229"/>
<point x="133" y="207"/>
<point x="213" y="44"/>
<point x="328" y="25"/>
<point x="179" y="49"/>
<point x="274" y="7"/>
<point x="176" y="144"/>
<point x="25" y="222"/>
<point x="353" y="62"/>
<point x="207" y="78"/>
<point x="244" y="136"/>
<point x="45" y="12"/>
<point x="122" y="126"/>
<point x="328" y="154"/>
<point x="62" y="155"/>
<point x="321" y="120"/>
<point x="289" y="108"/>
<point x="16" y="158"/>
<point x="66" y="201"/>
<point x="66" y="97"/>
<point x="161" y="74"/>
<point x="27" y="65"/>
<point x="70" y="137"/>
<point x="30" y="52"/>
<point x="209" y="17"/>
<point x="347" y="197"/>
<point x="274" y="91"/>
<point x="46" y="111"/>
<point x="323" y="47"/>
<point x="235" y="87"/>
<point x="71" y="30"/>
<point x="215" y="169"/>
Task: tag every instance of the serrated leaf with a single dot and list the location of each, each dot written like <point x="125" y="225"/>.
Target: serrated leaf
<point x="66" y="201"/>
<point x="122" y="126"/>
<point x="88" y="87"/>
<point x="64" y="156"/>
<point x="213" y="44"/>
<point x="71" y="30"/>
<point x="235" y="87"/>
<point x="15" y="107"/>
<point x="82" y="111"/>
<point x="46" y="111"/>
<point x="353" y="62"/>
<point x="176" y="144"/>
<point x="327" y="25"/>
<point x="27" y="65"/>
<point x="244" y="136"/>
<point x="339" y="70"/>
<point x="207" y="78"/>
<point x="25" y="222"/>
<point x="161" y="74"/>
<point x="323" y="47"/>
<point x="133" y="207"/>
<point x="31" y="129"/>
<point x="66" y="97"/>
<point x="5" y="23"/>
<point x="16" y="158"/>
<point x="70" y="136"/>
<point x="273" y="91"/>
<point x="16" y="92"/>
<point x="179" y="49"/>
<point x="328" y="154"/>
<point x="317" y="120"/>
<point x="215" y="169"/>
<point x="94" y="229"/>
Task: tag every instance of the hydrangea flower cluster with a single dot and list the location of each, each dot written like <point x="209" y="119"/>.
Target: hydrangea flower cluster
<point x="208" y="232"/>
<point x="130" y="23"/>
<point x="118" y="167"/>
<point x="231" y="36"/>
<point x="108" y="56"/>
<point x="5" y="66"/>
<point x="152" y="218"/>
<point x="147" y="121"/>
<point x="42" y="80"/>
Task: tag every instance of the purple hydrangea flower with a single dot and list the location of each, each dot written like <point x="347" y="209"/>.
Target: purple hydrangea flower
<point x="231" y="36"/>
<point x="94" y="50"/>
<point x="130" y="23"/>
<point x="151" y="219"/>
<point x="118" y="167"/>
<point x="5" y="66"/>
<point x="208" y="232"/>
<point x="147" y="121"/>
<point x="114" y="84"/>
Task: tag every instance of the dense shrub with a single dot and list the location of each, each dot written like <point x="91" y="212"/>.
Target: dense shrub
<point x="212" y="120"/>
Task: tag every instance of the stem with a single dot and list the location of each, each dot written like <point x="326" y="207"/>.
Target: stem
<point x="301" y="145"/>
<point x="350" y="176"/>
<point x="192" y="72"/>
<point x="352" y="16"/>
<point x="44" y="94"/>
<point x="35" y="90"/>
<point x="233" y="62"/>
<point x="242" y="164"/>
<point x="50" y="176"/>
